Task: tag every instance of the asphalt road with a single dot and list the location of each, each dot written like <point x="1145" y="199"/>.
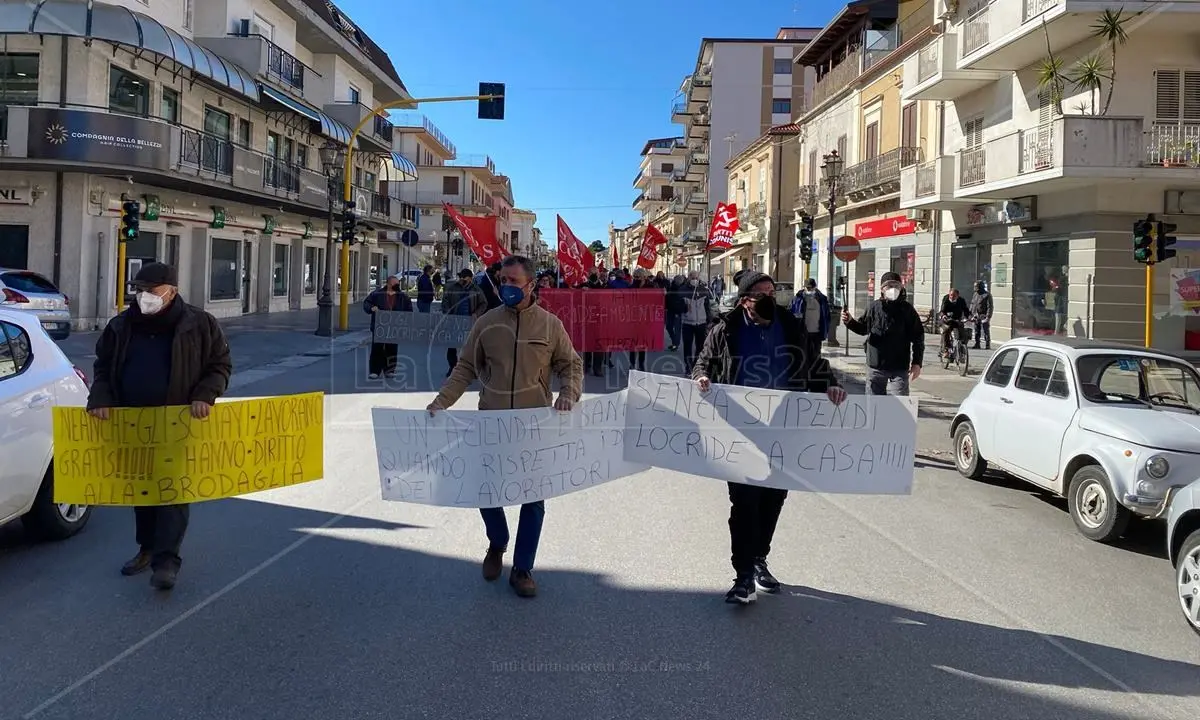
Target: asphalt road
<point x="964" y="600"/>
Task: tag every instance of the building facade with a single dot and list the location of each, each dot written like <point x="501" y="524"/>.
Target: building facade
<point x="521" y="240"/>
<point x="662" y="194"/>
<point x="212" y="116"/>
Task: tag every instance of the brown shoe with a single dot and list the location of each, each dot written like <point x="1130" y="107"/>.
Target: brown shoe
<point x="163" y="578"/>
<point x="522" y="582"/>
<point x="493" y="563"/>
<point x="137" y="565"/>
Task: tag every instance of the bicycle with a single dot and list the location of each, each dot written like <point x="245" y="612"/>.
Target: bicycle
<point x="957" y="352"/>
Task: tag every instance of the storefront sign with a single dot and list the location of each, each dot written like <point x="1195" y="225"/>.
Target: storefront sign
<point x="1004" y="212"/>
<point x="218" y="220"/>
<point x="268" y="224"/>
<point x="314" y="189"/>
<point x="247" y="169"/>
<point x="887" y="227"/>
<point x="97" y="137"/>
<point x="151" y="207"/>
<point x="307" y="231"/>
<point x="14" y="196"/>
<point x="1001" y="274"/>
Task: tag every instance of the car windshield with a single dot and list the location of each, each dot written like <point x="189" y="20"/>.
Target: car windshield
<point x="1138" y="380"/>
<point x="27" y="282"/>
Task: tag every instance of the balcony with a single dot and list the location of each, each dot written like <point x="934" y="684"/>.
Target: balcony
<point x="637" y="201"/>
<point x="679" y="113"/>
<point x="877" y="176"/>
<point x="837" y="79"/>
<point x="756" y="212"/>
<point x="473" y="161"/>
<point x="417" y="121"/>
<point x="1068" y="152"/>
<point x="698" y="198"/>
<point x="933" y="74"/>
<point x="680" y="175"/>
<point x="1007" y="34"/>
<point x="206" y="153"/>
<point x="380" y="130"/>
<point x="807" y="199"/>
<point x="699" y="158"/>
<point x="927" y="184"/>
<point x="280" y="177"/>
<point x="436" y="198"/>
<point x="255" y="52"/>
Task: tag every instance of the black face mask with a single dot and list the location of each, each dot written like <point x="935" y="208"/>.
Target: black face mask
<point x="764" y="307"/>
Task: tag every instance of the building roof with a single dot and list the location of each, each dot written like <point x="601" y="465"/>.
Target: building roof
<point x="660" y="143"/>
<point x="325" y="10"/>
<point x="837" y="28"/>
<point x="788" y="130"/>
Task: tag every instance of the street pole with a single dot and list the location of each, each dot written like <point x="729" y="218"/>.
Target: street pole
<point x="325" y="302"/>
<point x="121" y="279"/>
<point x="1149" y="304"/>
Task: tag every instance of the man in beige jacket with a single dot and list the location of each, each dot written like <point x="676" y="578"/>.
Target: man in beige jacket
<point x="512" y="350"/>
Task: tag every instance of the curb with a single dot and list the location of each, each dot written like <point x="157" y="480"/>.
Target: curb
<point x="337" y="346"/>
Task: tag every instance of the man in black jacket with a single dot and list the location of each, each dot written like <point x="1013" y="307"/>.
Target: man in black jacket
<point x="953" y="312"/>
<point x="159" y="352"/>
<point x="758" y="344"/>
<point x="895" y="338"/>
<point x="981" y="311"/>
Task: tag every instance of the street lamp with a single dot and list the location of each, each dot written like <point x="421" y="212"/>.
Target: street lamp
<point x="831" y="174"/>
<point x="333" y="158"/>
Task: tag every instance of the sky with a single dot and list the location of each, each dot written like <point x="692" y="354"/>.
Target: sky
<point x="586" y="85"/>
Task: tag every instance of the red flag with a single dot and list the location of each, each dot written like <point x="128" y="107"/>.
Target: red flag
<point x="616" y="260"/>
<point x="649" y="254"/>
<point x="570" y="259"/>
<point x="479" y="233"/>
<point x="724" y="225"/>
<point x="585" y="252"/>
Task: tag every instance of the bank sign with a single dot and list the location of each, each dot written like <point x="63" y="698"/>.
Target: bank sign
<point x="93" y="137"/>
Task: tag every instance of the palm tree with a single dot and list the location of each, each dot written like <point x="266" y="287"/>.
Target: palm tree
<point x="1110" y="28"/>
<point x="1089" y="74"/>
<point x="1050" y="74"/>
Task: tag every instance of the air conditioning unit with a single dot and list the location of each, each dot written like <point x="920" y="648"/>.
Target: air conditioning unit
<point x="427" y="211"/>
<point x="919" y="214"/>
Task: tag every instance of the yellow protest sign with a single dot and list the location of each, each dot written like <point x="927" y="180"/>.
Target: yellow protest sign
<point x="164" y="456"/>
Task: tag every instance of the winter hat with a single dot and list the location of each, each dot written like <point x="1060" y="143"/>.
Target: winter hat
<point x="751" y="278"/>
<point x="888" y="277"/>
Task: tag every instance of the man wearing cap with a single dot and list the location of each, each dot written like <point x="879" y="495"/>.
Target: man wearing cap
<point x="895" y="338"/>
<point x="159" y="352"/>
<point x="757" y="344"/>
<point x="463" y="298"/>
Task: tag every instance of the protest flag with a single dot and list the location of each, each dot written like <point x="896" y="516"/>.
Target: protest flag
<point x="724" y="226"/>
<point x="649" y="254"/>
<point x="570" y="259"/>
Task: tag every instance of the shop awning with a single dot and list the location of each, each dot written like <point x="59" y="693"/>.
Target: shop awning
<point x="121" y="26"/>
<point x="728" y="253"/>
<point x="407" y="170"/>
<point x="295" y="106"/>
<point x="333" y="129"/>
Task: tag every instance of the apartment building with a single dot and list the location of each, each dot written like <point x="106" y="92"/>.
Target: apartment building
<point x="761" y="183"/>
<point x="663" y="193"/>
<point x="1037" y="181"/>
<point x="521" y="237"/>
<point x="738" y="89"/>
<point x="859" y="136"/>
<point x="470" y="183"/>
<point x="628" y="242"/>
<point x="215" y="117"/>
<point x="540" y="252"/>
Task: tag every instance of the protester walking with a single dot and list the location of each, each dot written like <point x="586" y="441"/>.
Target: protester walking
<point x="513" y="351"/>
<point x="594" y="362"/>
<point x="489" y="283"/>
<point x="812" y="307"/>
<point x="382" y="360"/>
<point x="675" y="308"/>
<point x="981" y="309"/>
<point x="426" y="291"/>
<point x="699" y="311"/>
<point x="159" y="352"/>
<point x="895" y="343"/>
<point x="757" y="344"/>
<point x="641" y="281"/>
<point x="463" y="298"/>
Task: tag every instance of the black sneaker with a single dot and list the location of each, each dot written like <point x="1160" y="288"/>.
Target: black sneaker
<point x="164" y="578"/>
<point x="742" y="592"/>
<point x="764" y="579"/>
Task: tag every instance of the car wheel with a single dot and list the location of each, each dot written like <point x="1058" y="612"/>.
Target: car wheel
<point x="967" y="459"/>
<point x="1189" y="580"/>
<point x="48" y="520"/>
<point x="1093" y="506"/>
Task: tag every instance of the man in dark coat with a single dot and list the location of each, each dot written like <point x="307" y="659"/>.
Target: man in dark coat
<point x="981" y="309"/>
<point x="426" y="290"/>
<point x="758" y="344"/>
<point x="159" y="352"/>
<point x="382" y="360"/>
<point x="895" y="338"/>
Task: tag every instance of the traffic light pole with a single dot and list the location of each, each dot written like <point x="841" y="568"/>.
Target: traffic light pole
<point x="348" y="191"/>
<point x="121" y="279"/>
<point x="1149" y="304"/>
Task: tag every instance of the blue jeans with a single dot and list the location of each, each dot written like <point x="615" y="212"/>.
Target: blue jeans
<point x="674" y="326"/>
<point x="529" y="531"/>
<point x="424" y="305"/>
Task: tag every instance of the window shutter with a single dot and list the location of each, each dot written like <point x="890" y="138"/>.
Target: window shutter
<point x="1191" y="96"/>
<point x="1045" y="106"/>
<point x="841" y="148"/>
<point x="1166" y="102"/>
<point x="812" y="168"/>
<point x="972" y="133"/>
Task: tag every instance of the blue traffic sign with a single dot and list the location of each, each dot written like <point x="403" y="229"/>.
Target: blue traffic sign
<point x="410" y="238"/>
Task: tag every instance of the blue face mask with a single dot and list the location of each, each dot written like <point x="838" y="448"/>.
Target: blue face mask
<point x="511" y="295"/>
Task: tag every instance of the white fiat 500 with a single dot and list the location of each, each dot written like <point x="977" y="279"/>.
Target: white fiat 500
<point x="1113" y="428"/>
<point x="1183" y="547"/>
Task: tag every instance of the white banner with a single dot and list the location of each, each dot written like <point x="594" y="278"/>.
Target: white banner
<point x="497" y="458"/>
<point x="788" y="440"/>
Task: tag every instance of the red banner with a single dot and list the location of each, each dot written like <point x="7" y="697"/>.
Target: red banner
<point x="887" y="227"/>
<point x="724" y="225"/>
<point x="649" y="254"/>
<point x="479" y="233"/>
<point x="570" y="259"/>
<point x="609" y="320"/>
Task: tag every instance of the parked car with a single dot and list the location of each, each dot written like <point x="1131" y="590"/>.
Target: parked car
<point x="1113" y="428"/>
<point x="27" y="291"/>
<point x="35" y="376"/>
<point x="1183" y="547"/>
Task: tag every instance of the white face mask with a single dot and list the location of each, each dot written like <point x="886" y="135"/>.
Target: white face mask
<point x="149" y="303"/>
<point x="892" y="293"/>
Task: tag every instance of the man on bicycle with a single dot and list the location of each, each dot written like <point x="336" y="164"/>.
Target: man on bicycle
<point x="954" y="313"/>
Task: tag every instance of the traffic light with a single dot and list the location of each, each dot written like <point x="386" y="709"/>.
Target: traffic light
<point x="1143" y="241"/>
<point x="804" y="238"/>
<point x="491" y="109"/>
<point x="1164" y="241"/>
<point x="349" y="225"/>
<point x="131" y="215"/>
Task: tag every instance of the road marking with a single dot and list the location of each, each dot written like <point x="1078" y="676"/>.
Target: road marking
<point x="50" y="702"/>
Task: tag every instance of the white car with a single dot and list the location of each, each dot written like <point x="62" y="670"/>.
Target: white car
<point x="1183" y="547"/>
<point x="1113" y="428"/>
<point x="35" y="376"/>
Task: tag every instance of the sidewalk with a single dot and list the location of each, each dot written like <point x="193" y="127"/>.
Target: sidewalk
<point x="935" y="382"/>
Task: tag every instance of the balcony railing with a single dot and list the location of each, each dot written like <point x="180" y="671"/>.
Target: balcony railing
<point x="207" y="152"/>
<point x="756" y="211"/>
<point x="927" y="178"/>
<point x="700" y="158"/>
<point x="284" y="67"/>
<point x="1032" y="8"/>
<point x="972" y="167"/>
<point x="381" y="205"/>
<point x="1173" y="145"/>
<point x="975" y="31"/>
<point x="436" y="197"/>
<point x="280" y="175"/>
<point x="639" y="200"/>
<point x="1037" y="148"/>
<point x="473" y="161"/>
<point x="927" y="62"/>
<point x="679" y="108"/>
<point x="408" y="211"/>
<point x="877" y="175"/>
<point x="417" y="120"/>
<point x="384" y="128"/>
<point x="838" y="78"/>
<point x="806" y="198"/>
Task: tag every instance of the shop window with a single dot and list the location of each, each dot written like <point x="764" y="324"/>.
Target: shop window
<point x="1040" y="291"/>
<point x="128" y="93"/>
<point x="279" y="271"/>
<point x="169" y="108"/>
<point x="223" y="276"/>
<point x="18" y="79"/>
<point x="970" y="264"/>
<point x="310" y="270"/>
